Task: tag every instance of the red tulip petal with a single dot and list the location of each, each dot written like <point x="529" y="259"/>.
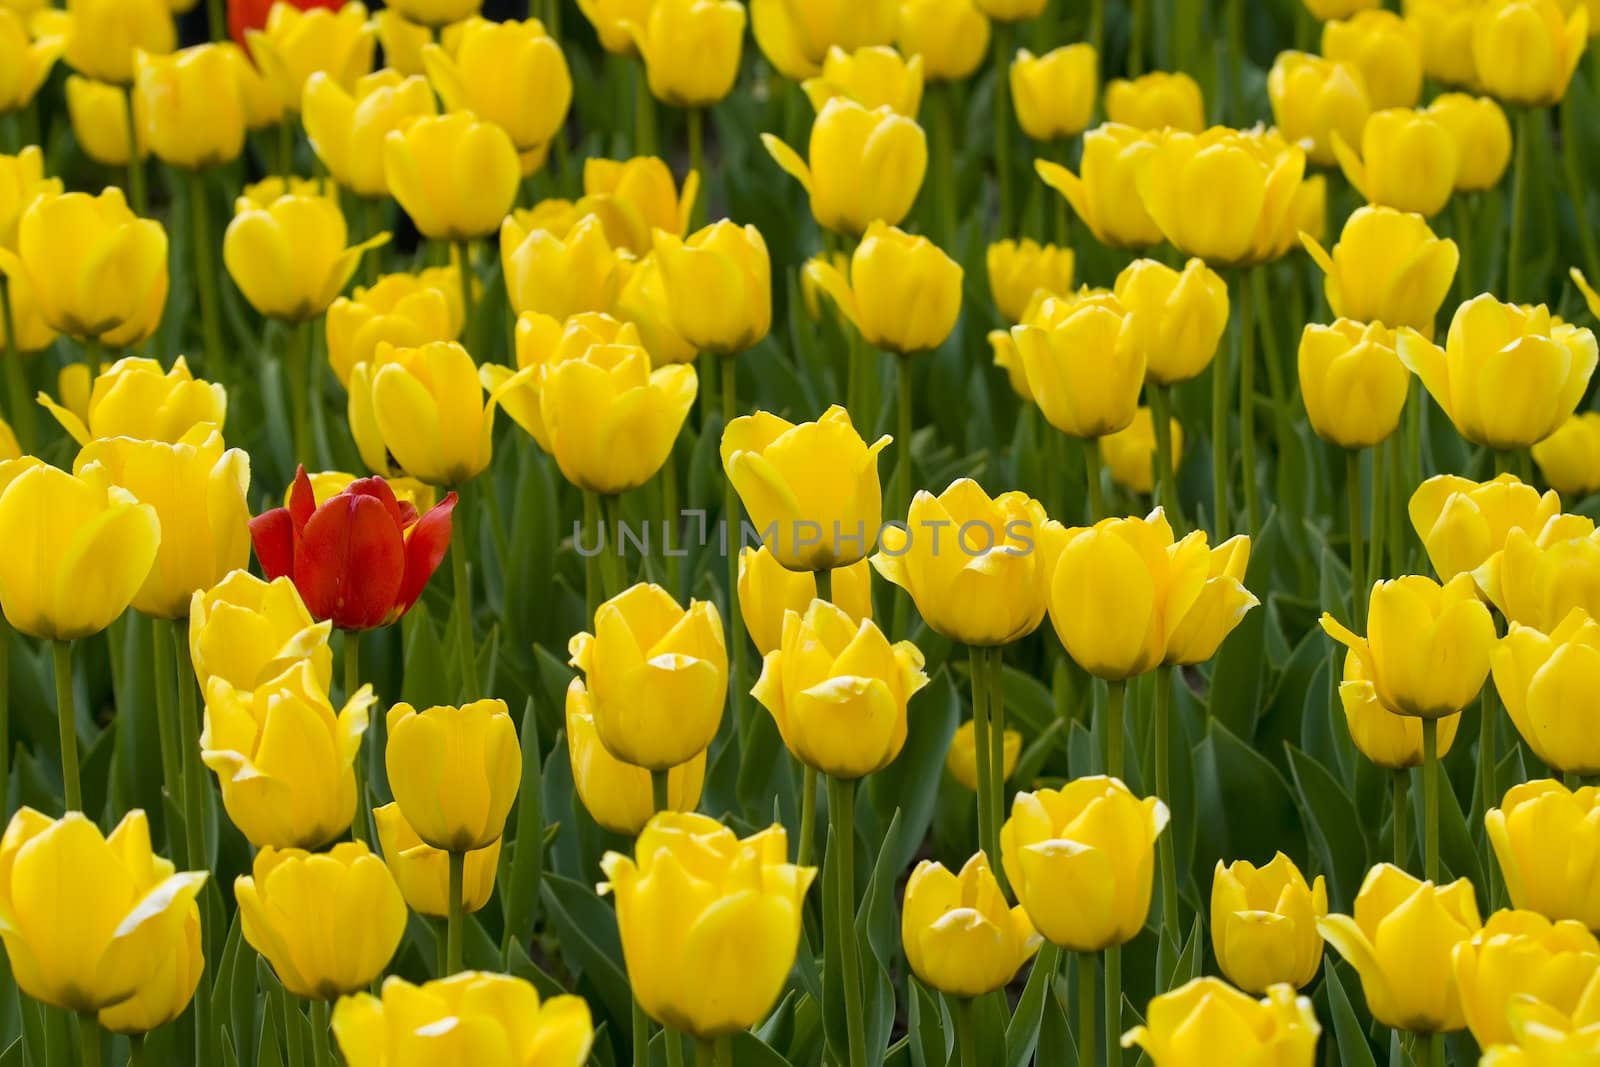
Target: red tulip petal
<point x="272" y="533"/>
<point x="351" y="562"/>
<point x="408" y="514"/>
<point x="426" y="545"/>
<point x="379" y="490"/>
<point x="302" y="499"/>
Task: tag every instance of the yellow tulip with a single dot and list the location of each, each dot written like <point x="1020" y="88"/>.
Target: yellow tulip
<point x="987" y="583"/>
<point x="768" y="590"/>
<point x="402" y="41"/>
<point x="811" y="491"/>
<point x="297" y="44"/>
<point x="1208" y="1021"/>
<point x="455" y="1019"/>
<point x="454" y="175"/>
<point x="1462" y="523"/>
<point x="1391" y="741"/>
<point x="1569" y="459"/>
<point x="22" y="181"/>
<point x="100" y="124"/>
<point x="89" y="920"/>
<point x="103" y="36"/>
<point x="1400" y="941"/>
<point x="657" y="676"/>
<point x="691" y="49"/>
<point x="1085" y="362"/>
<point x="1544" y="837"/>
<point x="560" y="276"/>
<point x="1055" y="93"/>
<point x="191" y="106"/>
<point x="1537" y="579"/>
<point x="951" y="37"/>
<point x="1508" y="376"/>
<point x="1103" y="191"/>
<point x="1445" y="27"/>
<point x="435" y="13"/>
<point x="1482" y="136"/>
<point x="1130" y="454"/>
<point x="289" y="259"/>
<point x="347" y="128"/>
<point x="1156" y="101"/>
<point x="1012" y="10"/>
<point x="245" y="632"/>
<point x="618" y="795"/>
<point x="424" y="409"/>
<point x="838" y="689"/>
<point x="718" y="284"/>
<point x="1544" y="681"/>
<point x="1124" y="598"/>
<point x="643" y="302"/>
<point x="1313" y="98"/>
<point x="80" y="549"/>
<point x="135" y="398"/>
<point x="1388" y="268"/>
<point x="1546" y="1037"/>
<point x="268" y="191"/>
<point x="423" y="872"/>
<point x="25" y="59"/>
<point x="635" y="198"/>
<point x="1385" y="49"/>
<point x="1353" y="385"/>
<point x="865" y="165"/>
<point x="1517" y="954"/>
<point x="328" y="484"/>
<point x="903" y="292"/>
<point x="543" y="343"/>
<point x="1019" y="270"/>
<point x="1264" y="924"/>
<point x="165" y="994"/>
<point x="1324" y="10"/>
<point x="262" y="106"/>
<point x="1526" y="50"/>
<point x="1081" y="860"/>
<point x="9" y="449"/>
<point x="795" y="35"/>
<point x="961" y="936"/>
<point x="405" y="310"/>
<point x="875" y="76"/>
<point x="454" y="771"/>
<point x="610" y="19"/>
<point x="1407" y="161"/>
<point x="33" y="334"/>
<point x="1184" y="315"/>
<point x="511" y="74"/>
<point x="328" y="924"/>
<point x="962" y="758"/>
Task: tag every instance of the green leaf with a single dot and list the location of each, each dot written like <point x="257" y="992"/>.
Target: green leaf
<point x="1334" y="824"/>
<point x="1231" y="777"/>
<point x="1022" y="1033"/>
<point x="910" y="785"/>
<point x="521" y="886"/>
<point x="1354" y="1051"/>
<point x="588" y="931"/>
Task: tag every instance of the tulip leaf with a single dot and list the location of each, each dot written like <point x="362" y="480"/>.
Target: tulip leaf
<point x="833" y="990"/>
<point x="425" y="682"/>
<point x="1333" y="823"/>
<point x="878" y="933"/>
<point x="925" y="1026"/>
<point x="1354" y="1049"/>
<point x="750" y="1051"/>
<point x="1029" y="703"/>
<point x="13" y="1055"/>
<point x="1232" y="777"/>
<point x="587" y="927"/>
<point x="1022" y="1032"/>
<point x="1238" y="678"/>
<point x="910" y="785"/>
<point x="520" y="887"/>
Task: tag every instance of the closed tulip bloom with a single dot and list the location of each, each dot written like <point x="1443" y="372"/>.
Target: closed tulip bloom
<point x="191" y="106"/>
<point x="1546" y="1037"/>
<point x="89" y="919"/>
<point x="1208" y="1021"/>
<point x="456" y="1019"/>
<point x="326" y="923"/>
<point x="961" y="936"/>
<point x="1156" y="101"/>
<point x="511" y="74"/>
<point x="247" y="15"/>
<point x="1427" y="646"/>
<point x="1544" y="681"/>
<point x="696" y="899"/>
<point x="289" y="259"/>
<point x="1391" y="741"/>
<point x="1324" y="10"/>
<point x="423" y="872"/>
<point x="1508" y="376"/>
<point x="1352" y="384"/>
<point x="795" y="35"/>
<point x="1569" y="459"/>
<point x="245" y="632"/>
<point x="1130" y="454"/>
<point x="296" y="44"/>
<point x="1445" y="27"/>
<point x="542" y="343"/>
<point x="838" y="689"/>
<point x="718" y="284"/>
<point x="610" y="19"/>
<point x="25" y="60"/>
<point x="1522" y="954"/>
<point x="22" y="181"/>
<point x="1264" y="924"/>
<point x="951" y="37"/>
<point x="100" y="124"/>
<point x="636" y="197"/>
<point x="1385" y="49"/>
<point x="360" y="558"/>
<point x="1085" y="362"/>
<point x="768" y="590"/>
<point x="560" y="276"/>
<point x="618" y="795"/>
<point x="1526" y="50"/>
<point x="876" y="76"/>
<point x="1462" y="523"/>
<point x="1545" y="839"/>
<point x="424" y="409"/>
<point x="135" y="398"/>
<point x="1388" y="268"/>
<point x="691" y="49"/>
<point x="31" y="332"/>
<point x="454" y="771"/>
<point x="657" y="676"/>
<point x="1103" y="192"/>
<point x="96" y="269"/>
<point x="454" y="175"/>
<point x="80" y="549"/>
<point x="1055" y="93"/>
<point x="1537" y="579"/>
<point x="268" y="191"/>
<point x="1482" y="135"/>
<point x="258" y="96"/>
<point x="987" y="583"/>
<point x="812" y="490"/>
<point x="961" y="760"/>
<point x="325" y="485"/>
<point x="1400" y="942"/>
<point x="284" y="757"/>
<point x="643" y="302"/>
<point x="903" y="293"/>
<point x="404" y="310"/>
<point x="1012" y="10"/>
<point x="436" y="13"/>
<point x="104" y="35"/>
<point x="1081" y="860"/>
<point x="347" y="127"/>
<point x="1313" y="98"/>
<point x="1019" y="270"/>
<point x="1407" y="161"/>
<point x="1184" y="314"/>
<point x="865" y="165"/>
<point x="165" y="994"/>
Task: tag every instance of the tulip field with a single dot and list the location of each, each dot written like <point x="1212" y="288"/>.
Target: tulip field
<point x="799" y="533"/>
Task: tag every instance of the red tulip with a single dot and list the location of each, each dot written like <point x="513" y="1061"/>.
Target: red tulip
<point x="361" y="558"/>
<point x="252" y="14"/>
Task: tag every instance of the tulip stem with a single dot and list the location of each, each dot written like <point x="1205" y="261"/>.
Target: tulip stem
<point x="842" y="814"/>
<point x="1113" y="957"/>
<point x="1488" y="708"/>
<point x="1430" y="797"/>
<point x="942" y="105"/>
<point x="808" y="815"/>
<point x="1097" y="30"/>
<point x="167" y="728"/>
<point x="21" y="401"/>
<point x="1396" y="506"/>
<point x="674" y="1043"/>
<point x="1429" y="1050"/>
<point x="1091" y="470"/>
<point x="592" y="578"/>
<point x="735" y="525"/>
<point x="644" y="116"/>
<point x="1166" y="479"/>
<point x="189" y="730"/>
<point x="1576" y="190"/>
<point x="5" y="719"/>
<point x="1402" y="786"/>
<point x="1358" y="566"/>
<point x="89" y="1040"/>
<point x="981" y="738"/>
<point x="453" y="924"/>
<point x="905" y="401"/>
<point x="1246" y="358"/>
<point x="612" y="561"/>
<point x="1219" y="445"/>
<point x="286" y="149"/>
<point x="658" y="791"/>
<point x="641" y="1035"/>
<point x="136" y="1050"/>
<point x="961" y="1013"/>
<point x="1169" y="859"/>
<point x="1520" y="180"/>
<point x="94" y="354"/>
<point x="136" y="194"/>
<point x="1461" y="218"/>
<point x="1002" y="120"/>
<point x="66" y="718"/>
<point x="1116" y="698"/>
<point x="216" y="20"/>
<point x="1136" y="39"/>
<point x="1087" y="1023"/>
<point x="997" y="756"/>
<point x="463" y="592"/>
<point x="696" y="119"/>
<point x="351" y="655"/>
<point x="205" y="270"/>
<point x="298" y="361"/>
<point x="321" y="1055"/>
<point x="465" y="273"/>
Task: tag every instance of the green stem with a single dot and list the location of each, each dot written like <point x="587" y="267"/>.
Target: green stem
<point x="900" y="503"/>
<point x="1091" y="470"/>
<point x="298" y="359"/>
<point x="136" y="1050"/>
<point x="66" y="719"/>
<point x="824" y="580"/>
<point x="372" y="208"/>
<point x="735" y="519"/>
<point x="1169" y="861"/>
<point x="465" y="275"/>
<point x="1430" y="797"/>
<point x="1113" y="958"/>
<point x="1358" y="567"/>
<point x="194" y="815"/>
<point x="841" y="814"/>
<point x="1219" y="444"/>
<point x="1136" y="35"/>
<point x="89" y="1040"/>
<point x="1116" y="698"/>
<point x="1429" y="1050"/>
<point x="961" y="1012"/>
<point x="1061" y="233"/>
<point x="455" y="921"/>
<point x="1246" y="359"/>
<point x="987" y="836"/>
<point x="21" y="400"/>
<point x="1521" y="179"/>
<point x="808" y="816"/>
<point x="1002" y="121"/>
<point x="205" y="270"/>
<point x="942" y="105"/>
<point x="1272" y="357"/>
<point x="286" y="148"/>
<point x="168" y="729"/>
<point x="674" y="1043"/>
<point x="593" y="580"/>
<point x="94" y="357"/>
<point x="136" y="193"/>
<point x="697" y="163"/>
<point x="5" y="719"/>
<point x="1397" y="507"/>
<point x="1185" y="36"/>
<point x="658" y="791"/>
<point x="1097" y="28"/>
<point x="641" y="1035"/>
<point x="722" y="1051"/>
<point x="1087" y="1022"/>
<point x="352" y="681"/>
<point x="644" y="116"/>
<point x="216" y="20"/>
<point x="670" y="528"/>
<point x="995" y="672"/>
<point x="1402" y="785"/>
<point x="1166" y="480"/>
<point x="463" y="592"/>
<point x="1461" y="215"/>
<point x="322" y="1055"/>
<point x="612" y="563"/>
<point x="1235" y="20"/>
<point x="1577" y="191"/>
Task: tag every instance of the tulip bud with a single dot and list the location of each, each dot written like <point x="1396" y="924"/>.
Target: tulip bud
<point x="986" y="583"/>
<point x="1569" y="459"/>
<point x="1085" y="362"/>
<point x="454" y="771"/>
<point x="962" y="758"/>
<point x="454" y="175"/>
<point x="1130" y="454"/>
<point x="1400" y="941"/>
<point x="404" y="310"/>
<point x="103" y="36"/>
<point x="691" y="49"/>
<point x="297" y="44"/>
<point x="960" y="934"/>
<point x="447" y="1019"/>
<point x="327" y="924"/>
<point x="88" y="951"/>
<point x="246" y="632"/>
<point x="873" y="77"/>
<point x="1462" y="523"/>
<point x="610" y="19"/>
<point x="268" y="191"/>
<point x="951" y="37"/>
<point x="511" y="74"/>
<point x="424" y="409"/>
<point x="796" y="36"/>
<point x="134" y="398"/>
<point x="1156" y="101"/>
<point x="1184" y="316"/>
<point x="559" y="276"/>
<point x="1353" y="385"/>
<point x="1543" y="681"/>
<point x="1388" y="268"/>
<point x="165" y="994"/>
<point x="1391" y="741"/>
<point x="289" y="258"/>
<point x="1518" y="954"/>
<point x="1055" y="93"/>
<point x="1385" y="49"/>
<point x="1407" y="161"/>
<point x="643" y="303"/>
<point x="657" y="676"/>
<point x="718" y="284"/>
<point x="1545" y="839"/>
<point x="635" y="198"/>
<point x="1103" y="192"/>
<point x="191" y="106"/>
<point x="811" y="490"/>
<point x="903" y="293"/>
<point x="325" y="485"/>
<point x="1525" y="50"/>
<point x="865" y="165"/>
<point x="1493" y="352"/>
<point x="1264" y="924"/>
<point x="423" y="872"/>
<point x="1324" y="10"/>
<point x="1208" y="1021"/>
<point x="543" y="343"/>
<point x="22" y="181"/>
<point x="1481" y="134"/>
<point x="1537" y="579"/>
<point x="1020" y="270"/>
<point x="257" y="95"/>
<point x="436" y="13"/>
<point x="768" y="590"/>
<point x="1081" y="860"/>
<point x="619" y="795"/>
<point x="32" y="333"/>
<point x="736" y="928"/>
<point x="1313" y="98"/>
<point x="402" y="41"/>
<point x="100" y="123"/>
<point x="25" y="61"/>
<point x="347" y="129"/>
